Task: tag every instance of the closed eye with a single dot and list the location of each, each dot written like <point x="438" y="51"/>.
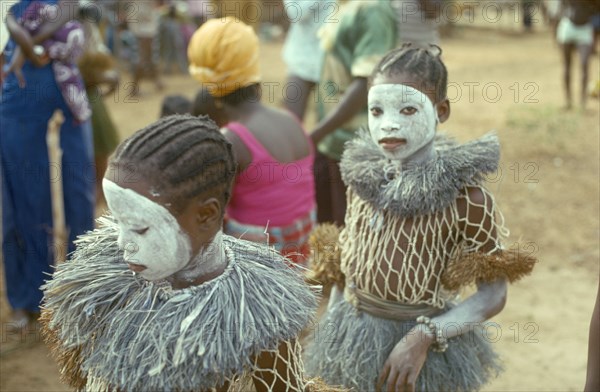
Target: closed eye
<point x="409" y="110"/>
<point x="376" y="111"/>
<point x="141" y="231"/>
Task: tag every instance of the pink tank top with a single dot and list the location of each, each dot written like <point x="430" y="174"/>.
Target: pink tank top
<point x="268" y="191"/>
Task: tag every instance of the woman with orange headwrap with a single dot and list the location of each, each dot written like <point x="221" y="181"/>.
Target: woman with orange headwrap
<point x="273" y="196"/>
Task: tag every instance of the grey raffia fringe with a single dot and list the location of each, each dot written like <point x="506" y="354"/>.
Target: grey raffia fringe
<point x="350" y="349"/>
<point x="422" y="189"/>
<point x="137" y="335"/>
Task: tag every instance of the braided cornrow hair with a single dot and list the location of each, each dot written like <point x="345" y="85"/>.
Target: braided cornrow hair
<point x="182" y="156"/>
<point x="425" y="63"/>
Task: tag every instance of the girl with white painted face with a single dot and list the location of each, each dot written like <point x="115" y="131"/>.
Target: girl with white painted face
<point x="158" y="298"/>
<point x="419" y="227"/>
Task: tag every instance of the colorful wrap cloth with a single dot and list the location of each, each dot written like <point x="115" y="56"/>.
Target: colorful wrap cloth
<point x="291" y="241"/>
<point x="64" y="48"/>
<point x="223" y="55"/>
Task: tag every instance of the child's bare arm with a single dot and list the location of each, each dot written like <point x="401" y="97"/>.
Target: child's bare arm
<point x="353" y="100"/>
<point x="66" y="10"/>
<point x="24" y="49"/>
<point x="20" y="36"/>
<point x="25" y="45"/>
<point x="481" y="235"/>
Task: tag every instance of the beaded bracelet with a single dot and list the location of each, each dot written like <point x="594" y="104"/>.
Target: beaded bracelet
<point x="441" y="343"/>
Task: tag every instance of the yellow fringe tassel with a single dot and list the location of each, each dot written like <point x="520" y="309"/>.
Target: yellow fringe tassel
<point x="325" y="257"/>
<point x="318" y="385"/>
<point x="511" y="264"/>
<point x="69" y="360"/>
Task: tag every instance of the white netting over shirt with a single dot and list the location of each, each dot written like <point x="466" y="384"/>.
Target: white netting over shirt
<point x="402" y="259"/>
<point x="274" y="370"/>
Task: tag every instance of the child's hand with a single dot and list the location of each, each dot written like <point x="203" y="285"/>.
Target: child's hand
<point x="405" y="362"/>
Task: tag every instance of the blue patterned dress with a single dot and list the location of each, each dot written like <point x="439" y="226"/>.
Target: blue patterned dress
<point x="26" y="173"/>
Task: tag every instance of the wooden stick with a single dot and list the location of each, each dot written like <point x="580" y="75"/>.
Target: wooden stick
<point x="59" y="229"/>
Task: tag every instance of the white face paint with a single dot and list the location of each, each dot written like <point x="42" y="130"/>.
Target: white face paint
<point x="149" y="235"/>
<point x="402" y="120"/>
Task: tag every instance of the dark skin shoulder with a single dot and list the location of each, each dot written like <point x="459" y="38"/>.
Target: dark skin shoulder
<point x="278" y="132"/>
<point x="243" y="157"/>
<point x="476" y="219"/>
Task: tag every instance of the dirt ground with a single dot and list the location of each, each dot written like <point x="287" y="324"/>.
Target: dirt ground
<point x="548" y="189"/>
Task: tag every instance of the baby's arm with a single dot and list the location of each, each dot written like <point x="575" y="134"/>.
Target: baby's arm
<point x="21" y="37"/>
<point x="66" y="10"/>
<point x="25" y="48"/>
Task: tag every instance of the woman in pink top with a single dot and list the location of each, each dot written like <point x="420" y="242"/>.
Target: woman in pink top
<point x="273" y="199"/>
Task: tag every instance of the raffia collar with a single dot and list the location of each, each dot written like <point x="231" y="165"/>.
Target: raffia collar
<point x="422" y="189"/>
<point x="138" y="335"/>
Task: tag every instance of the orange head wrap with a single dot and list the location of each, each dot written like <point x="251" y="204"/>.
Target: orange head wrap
<point x="223" y="55"/>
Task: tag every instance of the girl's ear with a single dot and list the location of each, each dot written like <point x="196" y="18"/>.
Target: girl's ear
<point x="443" y="110"/>
<point x="208" y="212"/>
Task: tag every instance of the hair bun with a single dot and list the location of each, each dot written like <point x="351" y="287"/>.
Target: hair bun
<point x="435" y="50"/>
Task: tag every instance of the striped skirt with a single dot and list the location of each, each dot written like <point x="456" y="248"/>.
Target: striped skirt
<point x="290" y="240"/>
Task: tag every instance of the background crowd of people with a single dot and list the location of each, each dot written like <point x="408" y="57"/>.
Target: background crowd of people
<point x="150" y="40"/>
